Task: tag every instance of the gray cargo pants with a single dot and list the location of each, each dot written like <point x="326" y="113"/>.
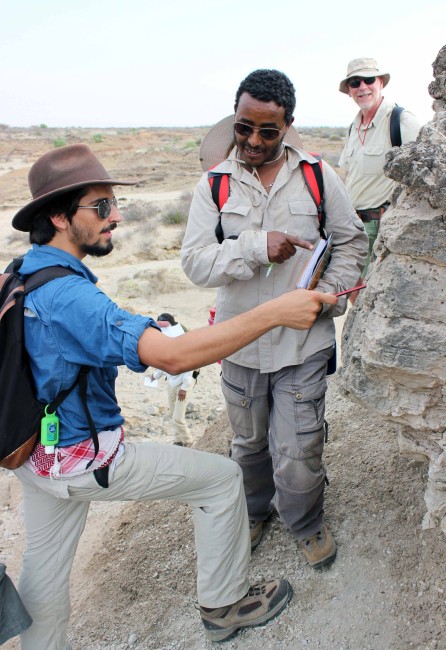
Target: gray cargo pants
<point x="278" y="424"/>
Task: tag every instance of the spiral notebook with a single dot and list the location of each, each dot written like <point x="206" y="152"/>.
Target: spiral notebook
<point x="315" y="267"/>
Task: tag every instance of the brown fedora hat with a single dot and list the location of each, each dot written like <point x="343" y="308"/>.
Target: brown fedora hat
<point x="219" y="140"/>
<point x="58" y="172"/>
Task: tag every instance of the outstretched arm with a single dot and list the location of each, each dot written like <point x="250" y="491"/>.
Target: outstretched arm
<point x="297" y="309"/>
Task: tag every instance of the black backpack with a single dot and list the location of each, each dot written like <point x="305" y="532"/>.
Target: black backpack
<point x="20" y="411"/>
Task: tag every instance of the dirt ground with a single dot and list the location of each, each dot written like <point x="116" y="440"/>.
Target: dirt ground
<point x="133" y="582"/>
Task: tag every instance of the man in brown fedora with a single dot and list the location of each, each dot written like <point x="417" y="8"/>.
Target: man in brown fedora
<point x="369" y="139"/>
<point x="70" y="323"/>
<point x="275" y="387"/>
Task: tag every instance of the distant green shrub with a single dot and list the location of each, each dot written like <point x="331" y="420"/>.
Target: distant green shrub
<point x="137" y="211"/>
<point x="173" y="217"/>
<point x="59" y="142"/>
<point x="177" y="212"/>
<point x="97" y="137"/>
<point x="43" y="126"/>
<point x="190" y="144"/>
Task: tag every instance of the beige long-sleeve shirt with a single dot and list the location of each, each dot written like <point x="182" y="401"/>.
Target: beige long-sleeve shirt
<point x="238" y="267"/>
<point x="367" y="186"/>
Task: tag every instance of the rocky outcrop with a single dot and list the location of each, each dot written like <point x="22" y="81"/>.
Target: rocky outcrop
<point x="394" y="340"/>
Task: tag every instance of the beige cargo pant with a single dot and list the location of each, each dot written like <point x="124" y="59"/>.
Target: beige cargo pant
<point x="56" y="510"/>
<point x="177" y="411"/>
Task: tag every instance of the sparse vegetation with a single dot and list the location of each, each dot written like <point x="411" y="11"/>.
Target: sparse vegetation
<point x="177" y="213"/>
<point x="149" y="283"/>
<point x="59" y="142"/>
<point x="138" y="211"/>
<point x="98" y="137"/>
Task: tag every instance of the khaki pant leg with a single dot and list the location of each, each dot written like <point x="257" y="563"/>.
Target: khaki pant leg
<point x="53" y="527"/>
<point x="178" y="412"/>
<point x="211" y="484"/>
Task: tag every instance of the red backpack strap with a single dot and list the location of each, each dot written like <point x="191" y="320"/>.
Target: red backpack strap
<point x="219" y="184"/>
<point x="315" y="184"/>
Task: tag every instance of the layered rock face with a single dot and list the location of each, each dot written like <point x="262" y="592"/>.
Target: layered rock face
<point x="394" y="340"/>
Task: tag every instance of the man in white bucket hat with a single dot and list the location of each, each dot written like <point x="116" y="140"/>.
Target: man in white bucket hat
<point x="369" y="139"/>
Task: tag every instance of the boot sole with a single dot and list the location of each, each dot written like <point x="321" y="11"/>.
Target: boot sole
<point x="229" y="632"/>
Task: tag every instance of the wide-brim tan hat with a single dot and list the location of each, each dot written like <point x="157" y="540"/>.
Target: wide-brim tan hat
<point x="363" y="68"/>
<point x="58" y="172"/>
<point x="219" y="140"/>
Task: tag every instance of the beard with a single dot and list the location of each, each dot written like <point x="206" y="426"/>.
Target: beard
<point x="97" y="250"/>
<point x="79" y="236"/>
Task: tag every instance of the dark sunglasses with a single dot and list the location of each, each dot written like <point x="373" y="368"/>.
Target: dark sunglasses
<point x="356" y="81"/>
<point x="265" y="133"/>
<point x="104" y="207"/>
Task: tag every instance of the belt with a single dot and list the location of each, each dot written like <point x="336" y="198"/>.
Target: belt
<point x="372" y="214"/>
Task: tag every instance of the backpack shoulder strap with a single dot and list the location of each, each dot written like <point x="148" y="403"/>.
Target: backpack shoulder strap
<point x="39" y="278"/>
<point x="314" y="181"/>
<point x="219" y="184"/>
<point x="395" y="126"/>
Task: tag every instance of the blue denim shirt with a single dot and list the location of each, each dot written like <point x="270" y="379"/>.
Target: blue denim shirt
<point x="69" y="322"/>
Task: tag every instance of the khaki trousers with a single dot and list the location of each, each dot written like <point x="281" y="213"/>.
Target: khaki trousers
<point x="56" y="510"/>
<point x="177" y="410"/>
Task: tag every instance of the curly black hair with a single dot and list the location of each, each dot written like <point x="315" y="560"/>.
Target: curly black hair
<point x="269" y="86"/>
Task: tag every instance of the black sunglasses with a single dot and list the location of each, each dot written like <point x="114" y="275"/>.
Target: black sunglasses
<point x="104" y="207"/>
<point x="356" y="81"/>
<point x="265" y="133"/>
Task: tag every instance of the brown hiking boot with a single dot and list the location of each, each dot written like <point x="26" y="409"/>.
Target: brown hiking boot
<point x="256" y="532"/>
<point x="262" y="603"/>
<point x="320" y="548"/>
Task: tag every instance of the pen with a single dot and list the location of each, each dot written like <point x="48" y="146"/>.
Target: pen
<point x="342" y="293"/>
<point x="270" y="268"/>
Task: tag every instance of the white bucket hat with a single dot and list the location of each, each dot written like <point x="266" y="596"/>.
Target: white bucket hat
<point x="363" y="68"/>
<point x="219" y="140"/>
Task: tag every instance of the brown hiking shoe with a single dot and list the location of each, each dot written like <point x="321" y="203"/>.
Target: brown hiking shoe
<point x="256" y="532"/>
<point x="262" y="603"/>
<point x="320" y="548"/>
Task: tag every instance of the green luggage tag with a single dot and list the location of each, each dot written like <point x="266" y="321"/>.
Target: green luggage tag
<point x="49" y="429"/>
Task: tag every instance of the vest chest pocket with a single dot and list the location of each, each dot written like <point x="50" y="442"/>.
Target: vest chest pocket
<point x="235" y="217"/>
<point x="303" y="219"/>
<point x="373" y="160"/>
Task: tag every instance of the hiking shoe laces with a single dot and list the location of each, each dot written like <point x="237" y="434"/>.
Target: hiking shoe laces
<point x="261" y="604"/>
<point x="319" y="549"/>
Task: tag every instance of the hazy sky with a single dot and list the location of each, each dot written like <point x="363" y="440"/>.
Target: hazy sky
<point x="179" y="62"/>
